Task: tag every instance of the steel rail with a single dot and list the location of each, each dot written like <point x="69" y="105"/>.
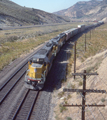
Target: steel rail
<point x="15" y="115"/>
<point x="12" y="76"/>
<point x="31" y="109"/>
<point x="1" y="101"/>
<point x="21" y="104"/>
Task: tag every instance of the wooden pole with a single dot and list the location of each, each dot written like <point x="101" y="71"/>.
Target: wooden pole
<point x="74" y="59"/>
<point x="83" y="91"/>
<point x="83" y="96"/>
<point x="85" y="42"/>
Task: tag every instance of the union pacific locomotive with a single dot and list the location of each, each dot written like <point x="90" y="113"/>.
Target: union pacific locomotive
<point x="40" y="64"/>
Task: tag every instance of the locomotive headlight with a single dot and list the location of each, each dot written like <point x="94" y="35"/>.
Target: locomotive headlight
<point x="28" y="80"/>
<point x="37" y="60"/>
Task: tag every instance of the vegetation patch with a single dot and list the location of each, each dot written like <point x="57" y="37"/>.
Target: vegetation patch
<point x="68" y="118"/>
<point x="62" y="108"/>
<point x="96" y="44"/>
<point x="103" y="99"/>
<point x="21" y="41"/>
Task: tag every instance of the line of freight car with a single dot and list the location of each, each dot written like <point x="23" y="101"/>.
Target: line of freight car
<point x="40" y="64"/>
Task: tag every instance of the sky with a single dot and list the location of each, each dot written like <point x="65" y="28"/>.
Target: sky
<point x="47" y="5"/>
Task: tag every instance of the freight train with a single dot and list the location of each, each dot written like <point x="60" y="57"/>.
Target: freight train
<point x="40" y="64"/>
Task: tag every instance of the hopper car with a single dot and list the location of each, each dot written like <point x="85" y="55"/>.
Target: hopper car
<point x="40" y="64"/>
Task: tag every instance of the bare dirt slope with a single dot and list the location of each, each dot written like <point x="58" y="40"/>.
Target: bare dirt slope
<point x="97" y="63"/>
<point x="86" y="10"/>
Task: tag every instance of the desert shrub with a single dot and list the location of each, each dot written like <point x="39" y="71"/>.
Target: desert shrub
<point x="62" y="108"/>
<point x="13" y="38"/>
<point x="68" y="118"/>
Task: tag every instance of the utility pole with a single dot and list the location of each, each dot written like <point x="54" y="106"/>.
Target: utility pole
<point x="90" y="34"/>
<point x="83" y="91"/>
<point x="75" y="59"/>
<point x="85" y="42"/>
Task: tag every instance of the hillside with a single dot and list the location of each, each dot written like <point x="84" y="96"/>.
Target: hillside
<point x="93" y="82"/>
<point x="13" y="14"/>
<point x="93" y="60"/>
<point x="86" y="10"/>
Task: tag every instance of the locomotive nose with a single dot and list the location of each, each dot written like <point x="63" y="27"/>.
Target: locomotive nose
<point x="34" y="83"/>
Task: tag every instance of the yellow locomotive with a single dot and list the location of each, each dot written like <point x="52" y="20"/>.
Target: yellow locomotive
<point x="40" y="64"/>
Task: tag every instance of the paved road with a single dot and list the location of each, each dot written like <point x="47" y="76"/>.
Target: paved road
<point x="32" y="26"/>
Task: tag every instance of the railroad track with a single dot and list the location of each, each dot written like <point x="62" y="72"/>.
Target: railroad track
<point x="25" y="108"/>
<point x="7" y="81"/>
<point x="8" y="86"/>
<point x="12" y="81"/>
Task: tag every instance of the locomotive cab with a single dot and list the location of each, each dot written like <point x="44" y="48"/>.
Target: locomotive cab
<point x="55" y="48"/>
<point x="36" y="73"/>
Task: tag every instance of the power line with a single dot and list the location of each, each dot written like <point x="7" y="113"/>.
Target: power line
<point x="89" y="109"/>
<point x="98" y="108"/>
<point x="84" y="91"/>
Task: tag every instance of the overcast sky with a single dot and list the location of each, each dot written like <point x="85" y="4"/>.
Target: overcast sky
<point x="47" y="5"/>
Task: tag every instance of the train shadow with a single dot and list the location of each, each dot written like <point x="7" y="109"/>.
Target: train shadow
<point x="57" y="73"/>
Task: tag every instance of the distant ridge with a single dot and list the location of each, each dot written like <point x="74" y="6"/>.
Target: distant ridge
<point x="93" y="10"/>
<point x="12" y="14"/>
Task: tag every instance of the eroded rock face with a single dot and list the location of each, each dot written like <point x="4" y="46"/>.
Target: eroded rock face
<point x="87" y="10"/>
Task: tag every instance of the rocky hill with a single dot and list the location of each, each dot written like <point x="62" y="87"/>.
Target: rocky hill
<point x="13" y="14"/>
<point x="86" y="10"/>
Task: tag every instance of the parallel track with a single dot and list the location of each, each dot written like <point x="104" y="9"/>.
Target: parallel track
<point x="8" y="88"/>
<point x="25" y="108"/>
<point x="6" y="82"/>
<point x="12" y="81"/>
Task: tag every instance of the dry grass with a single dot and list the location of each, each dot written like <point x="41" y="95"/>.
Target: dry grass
<point x="13" y="43"/>
<point x="96" y="44"/>
<point x="12" y="50"/>
<point x="20" y="34"/>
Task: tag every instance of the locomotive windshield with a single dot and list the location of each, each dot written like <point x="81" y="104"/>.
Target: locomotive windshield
<point x="39" y="60"/>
